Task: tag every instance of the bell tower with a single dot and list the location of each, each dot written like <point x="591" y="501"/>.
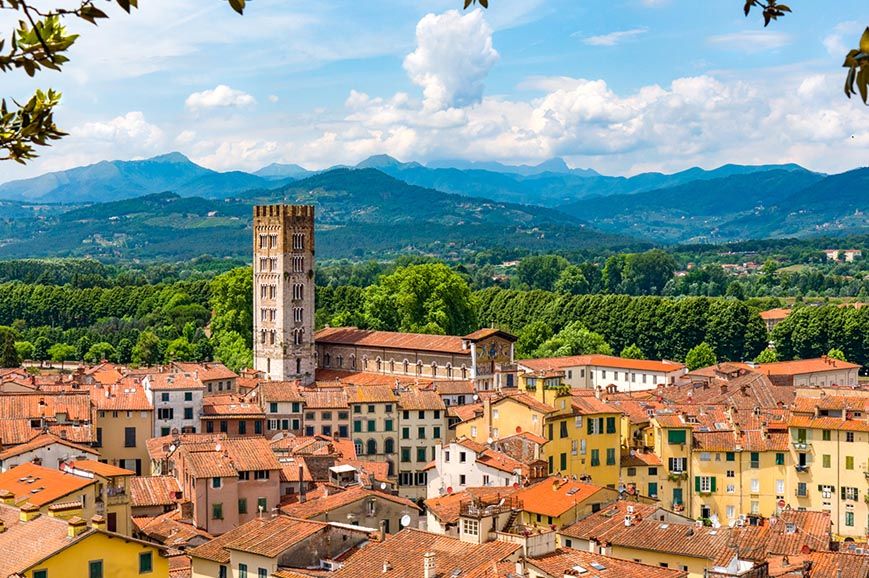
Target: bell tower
<point x="283" y="292"/>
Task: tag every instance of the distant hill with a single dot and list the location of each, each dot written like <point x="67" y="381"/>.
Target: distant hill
<point x="114" y="180"/>
<point x="360" y="213"/>
<point x="770" y="203"/>
<point x="283" y="171"/>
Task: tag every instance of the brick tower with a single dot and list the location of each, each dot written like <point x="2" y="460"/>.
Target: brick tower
<point x="283" y="291"/>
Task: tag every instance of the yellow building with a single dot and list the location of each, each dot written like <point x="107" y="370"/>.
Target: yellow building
<point x="738" y="473"/>
<point x="641" y="473"/>
<point x="124" y="421"/>
<point x="560" y="502"/>
<point x="374" y="421"/>
<point x="673" y="445"/>
<point x="48" y="547"/>
<point x="584" y="436"/>
<point x="42" y="488"/>
<point x="112" y="492"/>
<point x="829" y="440"/>
<point x="503" y="416"/>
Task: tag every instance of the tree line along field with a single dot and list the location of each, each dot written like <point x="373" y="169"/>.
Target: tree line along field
<point x="204" y="318"/>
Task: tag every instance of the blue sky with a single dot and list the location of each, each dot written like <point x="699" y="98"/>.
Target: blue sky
<point x="618" y="86"/>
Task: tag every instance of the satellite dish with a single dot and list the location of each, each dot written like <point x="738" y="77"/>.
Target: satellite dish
<point x="476" y="397"/>
<point x="172" y="448"/>
<point x="382" y="485"/>
<point x="405" y="521"/>
<point x="489" y="440"/>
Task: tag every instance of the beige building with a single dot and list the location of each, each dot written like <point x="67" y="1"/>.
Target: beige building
<point x="125" y="421"/>
<point x="112" y="499"/>
<point x="327" y="412"/>
<point x="603" y="371"/>
<point x="423" y="423"/>
<point x="374" y="415"/>
<point x="283" y="406"/>
<point x="47" y="450"/>
<point x="283" y="292"/>
<point x="216" y="377"/>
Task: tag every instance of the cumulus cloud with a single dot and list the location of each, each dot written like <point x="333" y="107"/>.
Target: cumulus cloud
<point x="751" y="41"/>
<point x="453" y="56"/>
<point x="843" y="37"/>
<point x="221" y="96"/>
<point x="614" y="38"/>
<point x="129" y="128"/>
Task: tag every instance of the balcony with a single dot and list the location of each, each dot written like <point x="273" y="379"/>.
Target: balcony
<point x="677" y="476"/>
<point x="801" y="468"/>
<point x="804" y="493"/>
<point x="801" y="445"/>
<point x="480" y="508"/>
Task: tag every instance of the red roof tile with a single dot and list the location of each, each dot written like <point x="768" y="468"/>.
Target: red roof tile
<point x="153" y="491"/>
<point x="391" y="340"/>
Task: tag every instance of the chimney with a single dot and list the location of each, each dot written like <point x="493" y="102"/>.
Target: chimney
<point x="386" y="566"/>
<point x="382" y="530"/>
<point x="723" y="388"/>
<point x="302" y="497"/>
<point x="7" y="497"/>
<point x="28" y="512"/>
<point x="428" y="565"/>
<point x="98" y="522"/>
<point x="75" y="527"/>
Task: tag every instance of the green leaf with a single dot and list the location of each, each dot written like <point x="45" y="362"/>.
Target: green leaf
<point x="863" y="84"/>
<point x="484" y="3"/>
<point x="237" y="5"/>
<point x="864" y="41"/>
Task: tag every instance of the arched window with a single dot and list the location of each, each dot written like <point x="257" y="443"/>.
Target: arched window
<point x="365" y="362"/>
<point x="434" y="368"/>
<point x="340" y="360"/>
<point x="464" y="372"/>
<point x="358" y="444"/>
<point x="391" y="366"/>
<point x="388" y="446"/>
<point x="327" y="359"/>
<point x="405" y="365"/>
<point x="419" y="367"/>
<point x="449" y="369"/>
<point x="379" y="363"/>
<point x="352" y="361"/>
<point x="371" y="449"/>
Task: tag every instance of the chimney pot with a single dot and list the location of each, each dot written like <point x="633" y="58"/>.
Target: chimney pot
<point x="428" y="565"/>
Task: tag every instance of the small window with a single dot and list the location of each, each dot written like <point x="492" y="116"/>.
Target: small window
<point x="146" y="562"/>
<point x="242" y="570"/>
<point x="242" y="506"/>
<point x="216" y="511"/>
<point x="95" y="569"/>
<point x="188" y="396"/>
<point x="216" y="483"/>
<point x="40" y="574"/>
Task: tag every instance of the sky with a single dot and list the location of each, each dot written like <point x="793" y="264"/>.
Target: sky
<point x="620" y="86"/>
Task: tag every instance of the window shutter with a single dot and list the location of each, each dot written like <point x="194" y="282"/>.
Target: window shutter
<point x="697" y="484"/>
<point x="842" y="491"/>
<point x="713" y="484"/>
<point x="590" y="425"/>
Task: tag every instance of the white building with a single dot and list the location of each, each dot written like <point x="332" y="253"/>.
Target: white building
<point x="593" y="371"/>
<point x="47" y="450"/>
<point x="177" y="402"/>
<point x="464" y="464"/>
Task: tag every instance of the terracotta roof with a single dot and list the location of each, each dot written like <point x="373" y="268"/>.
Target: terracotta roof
<point x="404" y="554"/>
<point x="588" y="405"/>
<point x="446" y="508"/>
<point x="416" y="399"/>
<point x="173" y="381"/>
<point x="744" y="392"/>
<point x="638" y="459"/>
<point x="599" y="525"/>
<point x="268" y="537"/>
<point x="42" y="440"/>
<point x="170" y="529"/>
<point x="527" y="400"/>
<point x="123" y="396"/>
<point x="772" y="314"/>
<point x="554" y="496"/>
<point x="801" y="366"/>
<point x="465" y="412"/>
<point x="371" y="394"/>
<point x="153" y="491"/>
<point x="487" y="332"/>
<point x="465" y="387"/>
<point x="331" y="377"/>
<point x="159" y="447"/>
<point x="51" y="484"/>
<point x="835" y="423"/>
<point x="290" y="469"/>
<point x="234" y="455"/>
<point x="209" y="371"/>
<point x="233" y="406"/>
<point x="99" y="468"/>
<point x="23" y="544"/>
<point x="601" y="361"/>
<point x="76" y="406"/>
<point x="391" y="340"/>
<point x="84" y="433"/>
<point x="838" y="565"/>
<point x="835" y="402"/>
<point x="563" y="562"/>
<point x="331" y="398"/>
<point x="501" y="462"/>
<point x="316" y="507"/>
<point x="472" y="445"/>
<point x="279" y="391"/>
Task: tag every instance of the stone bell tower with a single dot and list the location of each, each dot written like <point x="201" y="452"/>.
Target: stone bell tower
<point x="283" y="292"/>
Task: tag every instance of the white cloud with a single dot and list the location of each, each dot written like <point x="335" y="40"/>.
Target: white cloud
<point x="751" y="41"/>
<point x="453" y="56"/>
<point x="843" y="37"/>
<point x="221" y="96"/>
<point x="614" y="38"/>
<point x="129" y="128"/>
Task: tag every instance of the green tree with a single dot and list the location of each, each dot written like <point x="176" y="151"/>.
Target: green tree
<point x="232" y="351"/>
<point x="613" y="270"/>
<point x="736" y="290"/>
<point x="124" y="351"/>
<point x="700" y="356"/>
<point x="180" y="350"/>
<point x="61" y="352"/>
<point x="632" y="351"/>
<point x="8" y="354"/>
<point x="147" y="349"/>
<point x="647" y="273"/>
<point x="574" y="339"/>
<point x="99" y="351"/>
<point x="427" y="298"/>
<point x="835" y="353"/>
<point x="82" y="346"/>
<point x="531" y="337"/>
<point x="232" y="303"/>
<point x="24" y="349"/>
<point x="541" y="271"/>
<point x="572" y="281"/>
<point x="766" y="356"/>
<point x="40" y="348"/>
<point x="203" y="350"/>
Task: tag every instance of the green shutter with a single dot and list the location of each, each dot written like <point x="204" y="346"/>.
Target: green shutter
<point x="697" y="484"/>
<point x="590" y="426"/>
<point x="676" y="436"/>
<point x="713" y="484"/>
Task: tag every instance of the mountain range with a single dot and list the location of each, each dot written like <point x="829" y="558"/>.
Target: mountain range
<point x="446" y="207"/>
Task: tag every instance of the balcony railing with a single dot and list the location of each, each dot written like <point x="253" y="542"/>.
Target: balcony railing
<point x="801" y="469"/>
<point x="484" y="508"/>
<point x="801" y="493"/>
<point x="801" y="445"/>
